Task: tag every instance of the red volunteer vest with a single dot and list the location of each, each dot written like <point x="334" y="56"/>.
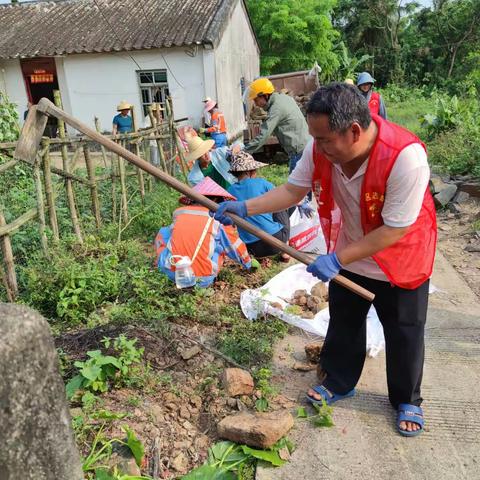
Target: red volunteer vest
<point x="374" y="103"/>
<point x="409" y="262"/>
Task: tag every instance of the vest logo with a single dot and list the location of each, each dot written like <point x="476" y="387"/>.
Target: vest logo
<point x="374" y="202"/>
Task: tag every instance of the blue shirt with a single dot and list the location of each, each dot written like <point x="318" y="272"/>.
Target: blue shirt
<point x="124" y="124"/>
<point x="251" y="188"/>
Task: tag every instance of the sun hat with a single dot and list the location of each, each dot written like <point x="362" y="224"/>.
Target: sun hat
<point x="243" y="162"/>
<point x="123" y="105"/>
<point x="206" y="99"/>
<point x="197" y="147"/>
<point x="363" y="78"/>
<point x="210" y="104"/>
<point x="349" y="81"/>
<point x="208" y="188"/>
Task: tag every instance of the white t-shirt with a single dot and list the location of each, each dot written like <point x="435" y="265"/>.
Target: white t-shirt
<point x="406" y="187"/>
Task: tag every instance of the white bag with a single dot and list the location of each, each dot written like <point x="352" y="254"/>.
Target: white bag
<point x="306" y="234"/>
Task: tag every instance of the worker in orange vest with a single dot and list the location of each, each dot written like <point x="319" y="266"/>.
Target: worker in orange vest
<point x="196" y="235"/>
<point x="218" y="128"/>
<point x="370" y="179"/>
<point x="375" y="101"/>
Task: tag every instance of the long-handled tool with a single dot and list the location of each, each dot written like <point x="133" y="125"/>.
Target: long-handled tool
<point x="30" y="139"/>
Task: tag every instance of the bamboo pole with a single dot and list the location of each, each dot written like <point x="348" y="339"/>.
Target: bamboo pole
<point x="47" y="179"/>
<point x="178" y="143"/>
<point x="161" y="153"/>
<point x="18" y="222"/>
<point x="7" y="252"/>
<point x="123" y="187"/>
<point x="3" y="275"/>
<point x="93" y="186"/>
<point x="141" y="182"/>
<point x="47" y="107"/>
<point x="8" y="165"/>
<point x="149" y="177"/>
<point x="114" y="168"/>
<point x="68" y="182"/>
<point x="40" y="207"/>
<point x="99" y="130"/>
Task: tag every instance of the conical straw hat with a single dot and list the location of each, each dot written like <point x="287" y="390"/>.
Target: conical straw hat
<point x="123" y="105"/>
<point x="197" y="147"/>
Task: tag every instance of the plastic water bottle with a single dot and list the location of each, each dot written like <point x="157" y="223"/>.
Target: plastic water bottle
<point x="184" y="276"/>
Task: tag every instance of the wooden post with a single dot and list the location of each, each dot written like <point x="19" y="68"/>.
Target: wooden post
<point x="149" y="177"/>
<point x="114" y="160"/>
<point x="3" y="276"/>
<point x="68" y="182"/>
<point x="40" y="207"/>
<point x="173" y="141"/>
<point x="11" y="276"/>
<point x="123" y="186"/>
<point x="161" y="153"/>
<point x="141" y="182"/>
<point x="47" y="179"/>
<point x="93" y="186"/>
<point x="178" y="143"/>
<point x="99" y="130"/>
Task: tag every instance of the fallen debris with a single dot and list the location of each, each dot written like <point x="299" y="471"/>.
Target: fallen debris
<point x="260" y="430"/>
<point x="237" y="382"/>
<point x="312" y="351"/>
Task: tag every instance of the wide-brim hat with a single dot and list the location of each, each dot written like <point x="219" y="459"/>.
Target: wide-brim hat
<point x="197" y="147"/>
<point x="364" y="78"/>
<point x="123" y="105"/>
<point x="210" y="104"/>
<point x="206" y="99"/>
<point x="244" y="162"/>
<point x="208" y="188"/>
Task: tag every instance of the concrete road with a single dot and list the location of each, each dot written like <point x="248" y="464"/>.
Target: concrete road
<point x="364" y="444"/>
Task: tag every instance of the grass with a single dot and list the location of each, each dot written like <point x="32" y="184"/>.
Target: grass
<point x="408" y="113"/>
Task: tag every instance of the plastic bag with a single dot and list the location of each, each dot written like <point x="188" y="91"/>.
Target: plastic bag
<point x="306" y="234"/>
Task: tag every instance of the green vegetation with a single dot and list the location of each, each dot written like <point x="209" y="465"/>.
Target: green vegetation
<point x="322" y="416"/>
<point x="9" y="129"/>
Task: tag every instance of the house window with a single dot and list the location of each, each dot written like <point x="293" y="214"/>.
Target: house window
<point x="153" y="87"/>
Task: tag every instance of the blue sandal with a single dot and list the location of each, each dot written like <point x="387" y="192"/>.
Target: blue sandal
<point x="329" y="397"/>
<point x="410" y="413"/>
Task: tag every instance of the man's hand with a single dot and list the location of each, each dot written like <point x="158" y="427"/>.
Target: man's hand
<point x="238" y="208"/>
<point x="325" y="267"/>
<point x="305" y="210"/>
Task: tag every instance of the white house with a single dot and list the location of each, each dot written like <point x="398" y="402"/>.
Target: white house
<point x="99" y="52"/>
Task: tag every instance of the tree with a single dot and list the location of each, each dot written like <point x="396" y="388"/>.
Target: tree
<point x="293" y="34"/>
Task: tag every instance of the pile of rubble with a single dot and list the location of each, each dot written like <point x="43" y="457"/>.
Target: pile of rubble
<point x="449" y="192"/>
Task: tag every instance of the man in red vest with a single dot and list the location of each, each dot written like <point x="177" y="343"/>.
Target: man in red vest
<point x="370" y="179"/>
<point x="375" y="101"/>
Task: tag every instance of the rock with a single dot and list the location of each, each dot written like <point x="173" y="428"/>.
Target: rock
<point x="36" y="425"/>
<point x="312" y="351"/>
<point x="299" y="293"/>
<point x="180" y="463"/>
<point x="472" y="188"/>
<point x="308" y="315"/>
<point x="444" y="228"/>
<point x="304" y="367"/>
<point x="232" y="402"/>
<point x="123" y="460"/>
<point x="319" y="290"/>
<point x="436" y="183"/>
<point x="190" y="352"/>
<point x="445" y="195"/>
<point x="472" y="248"/>
<point x="260" y="430"/>
<point x="461" y="197"/>
<point x="184" y="413"/>
<point x="236" y="382"/>
<point x="156" y="412"/>
<point x="276" y="305"/>
<point x="315" y="304"/>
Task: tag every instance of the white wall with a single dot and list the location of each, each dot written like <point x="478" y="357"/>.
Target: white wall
<point x="236" y="56"/>
<point x="11" y="83"/>
<point x="96" y="83"/>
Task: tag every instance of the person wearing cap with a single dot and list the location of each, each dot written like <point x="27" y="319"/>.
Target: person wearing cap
<point x="209" y="162"/>
<point x="196" y="235"/>
<point x="370" y="179"/>
<point x="122" y="122"/>
<point x="244" y="167"/>
<point x="284" y="120"/>
<point x="207" y="117"/>
<point x="218" y="127"/>
<point x="375" y="101"/>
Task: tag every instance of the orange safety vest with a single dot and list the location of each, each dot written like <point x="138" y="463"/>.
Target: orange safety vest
<point x="218" y="123"/>
<point x="409" y="262"/>
<point x="188" y="226"/>
<point x="374" y="103"/>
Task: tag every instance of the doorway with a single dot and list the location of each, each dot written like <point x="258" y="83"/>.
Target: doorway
<point x="40" y="77"/>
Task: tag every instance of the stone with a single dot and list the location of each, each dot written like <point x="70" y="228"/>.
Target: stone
<point x="180" y="462"/>
<point x="461" y="197"/>
<point x="123" y="460"/>
<point x="236" y="382"/>
<point x="36" y="426"/>
<point x="304" y="367"/>
<point x="444" y="228"/>
<point x="157" y="413"/>
<point x="472" y="248"/>
<point x="437" y="183"/>
<point x="259" y="430"/>
<point x="232" y="402"/>
<point x="184" y="413"/>
<point x="319" y="290"/>
<point x="312" y="351"/>
<point x="445" y="195"/>
<point x="190" y="352"/>
<point x="472" y="188"/>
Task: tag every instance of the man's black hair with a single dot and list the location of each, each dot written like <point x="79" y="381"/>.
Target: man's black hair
<point x="343" y="104"/>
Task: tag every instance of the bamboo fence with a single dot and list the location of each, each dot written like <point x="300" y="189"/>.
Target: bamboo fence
<point x="77" y="154"/>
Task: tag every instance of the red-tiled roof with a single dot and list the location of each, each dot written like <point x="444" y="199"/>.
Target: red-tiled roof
<point x="35" y="29"/>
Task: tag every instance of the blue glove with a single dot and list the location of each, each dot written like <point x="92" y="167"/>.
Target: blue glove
<point x="305" y="210"/>
<point x="325" y="267"/>
<point x="238" y="208"/>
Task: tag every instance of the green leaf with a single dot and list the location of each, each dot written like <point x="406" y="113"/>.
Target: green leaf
<point x="323" y="421"/>
<point x="102" y="474"/>
<point x="208" y="472"/>
<point x="135" y="445"/>
<point x="270" y="456"/>
<point x="74" y="385"/>
<point x="107" y="415"/>
<point x="261" y="405"/>
<point x="302" y="412"/>
<point x="91" y="372"/>
<point x="217" y="451"/>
